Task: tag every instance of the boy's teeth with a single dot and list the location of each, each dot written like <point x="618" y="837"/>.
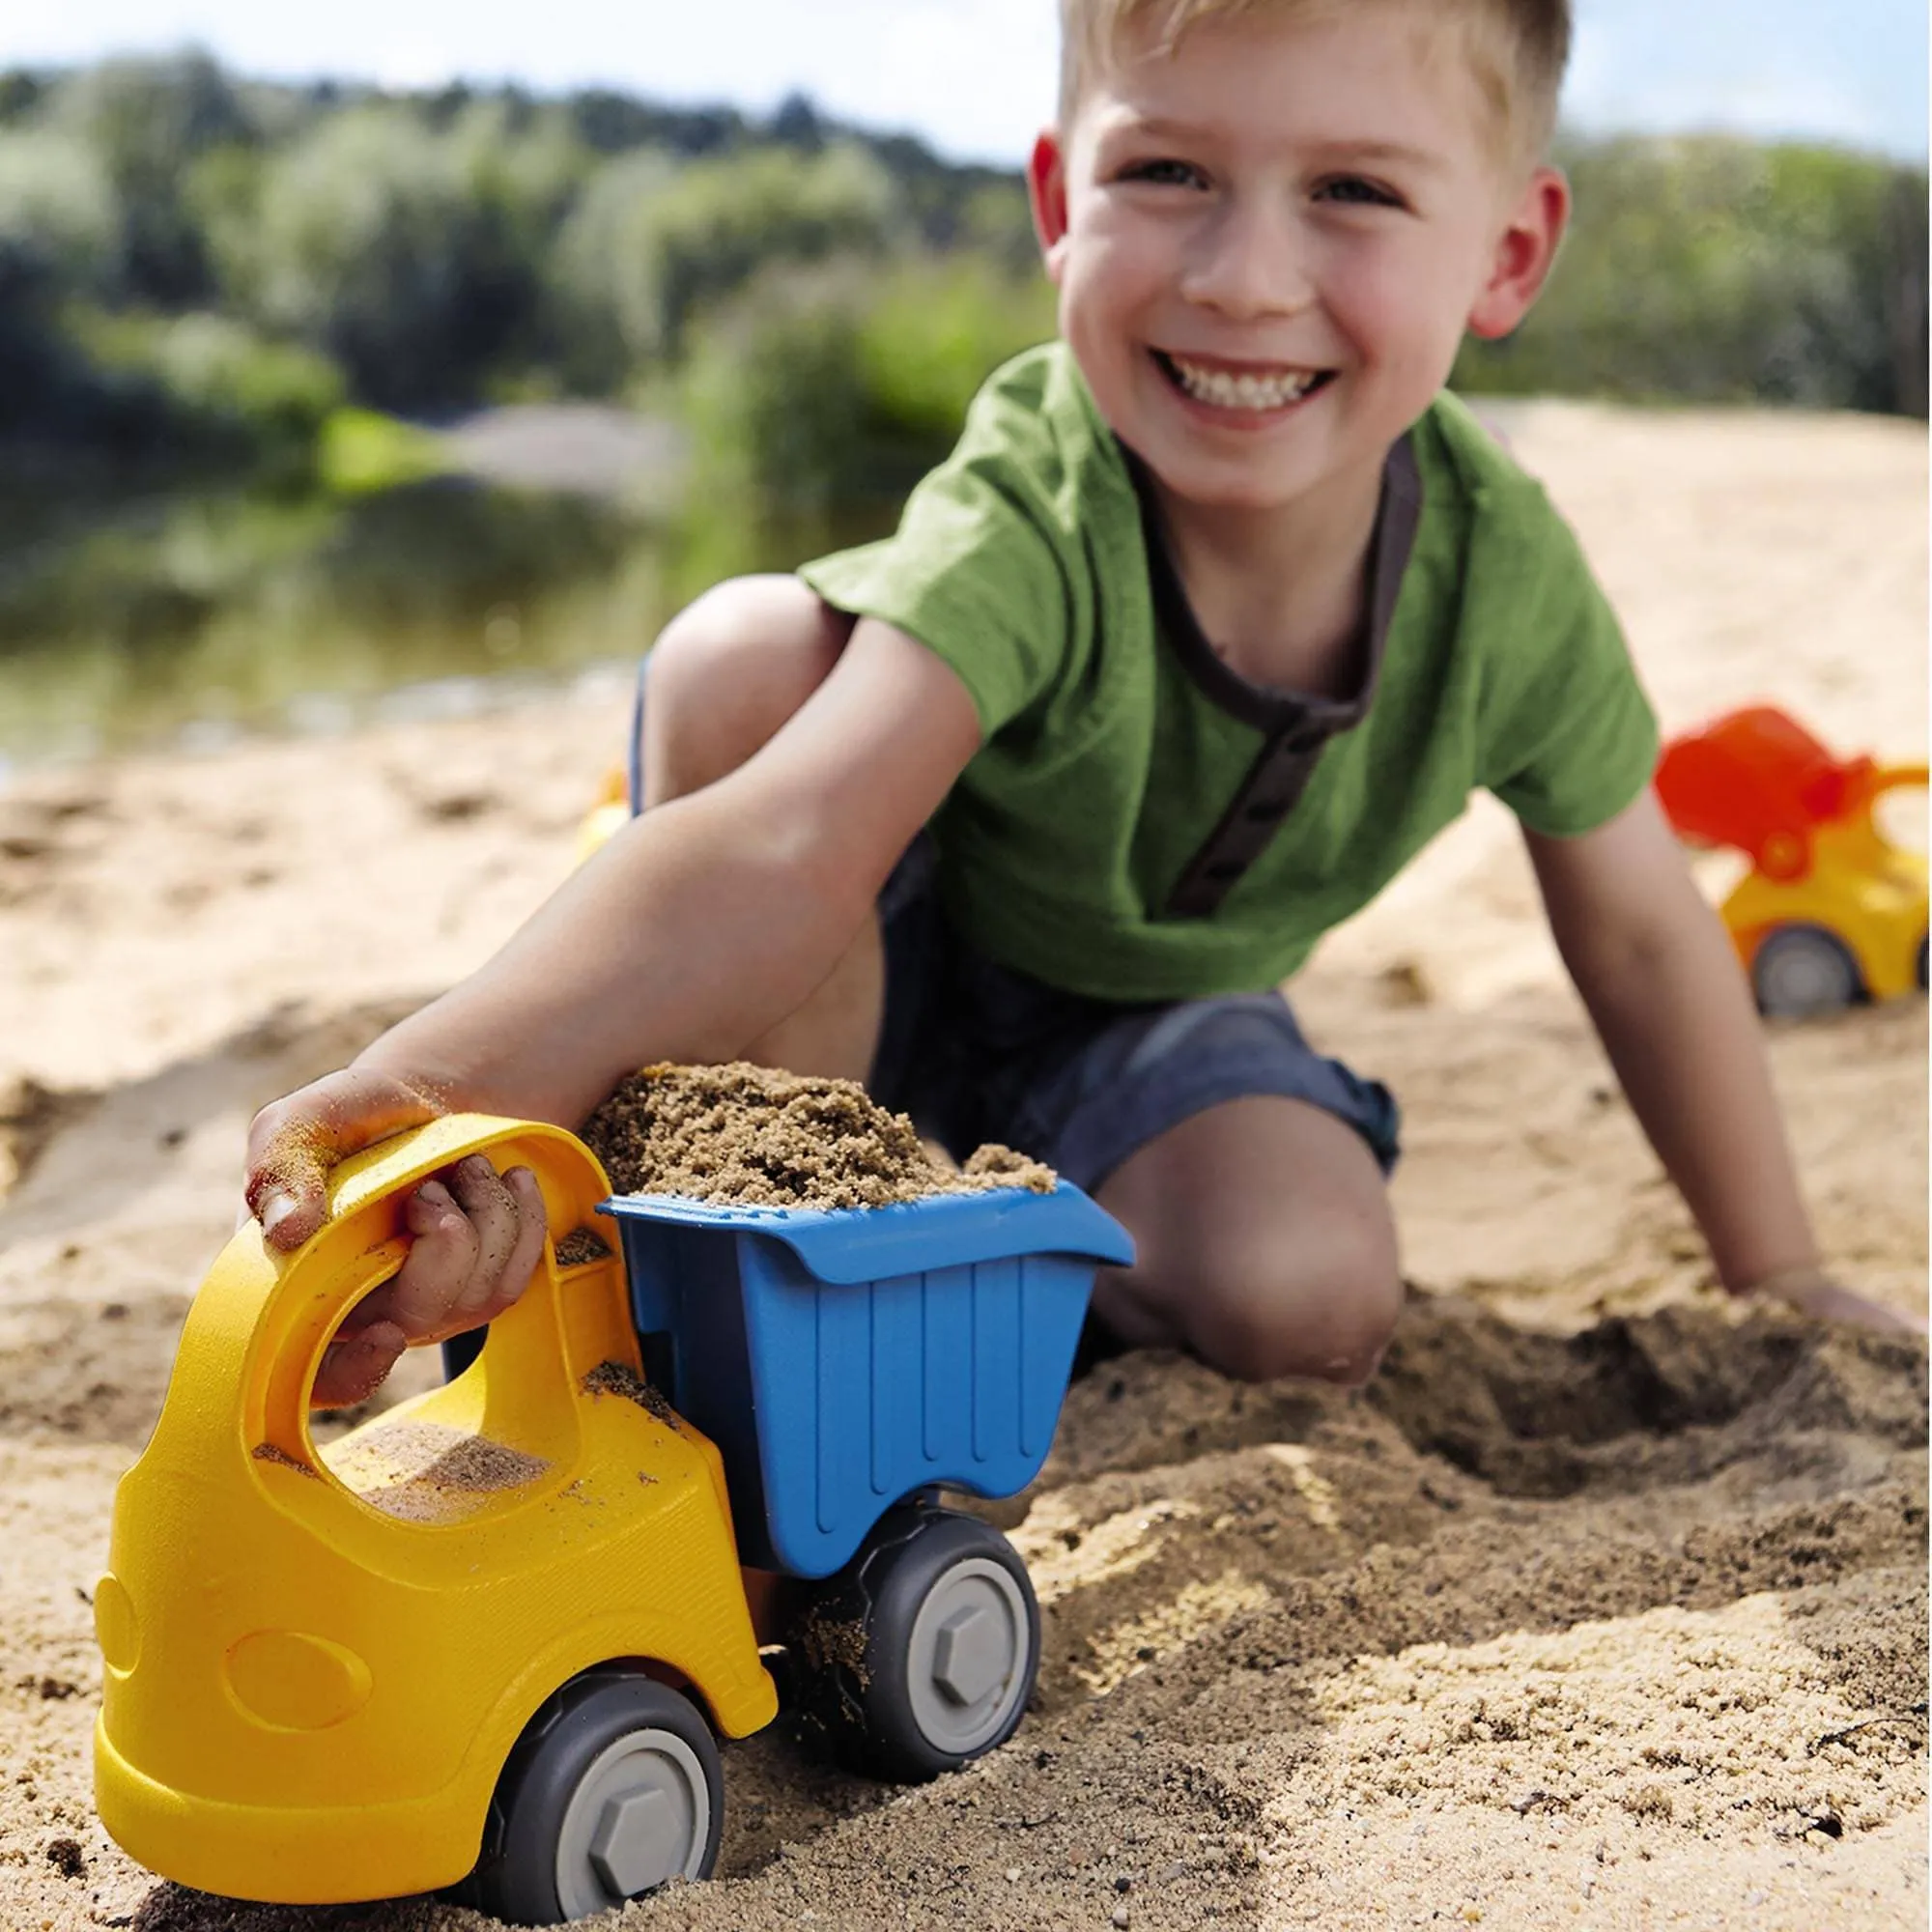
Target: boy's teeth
<point x="1241" y="392"/>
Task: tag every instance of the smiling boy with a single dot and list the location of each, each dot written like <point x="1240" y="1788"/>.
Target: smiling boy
<point x="1216" y="615"/>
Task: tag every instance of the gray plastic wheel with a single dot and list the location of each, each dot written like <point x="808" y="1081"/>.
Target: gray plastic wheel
<point x="921" y="1655"/>
<point x="1798" y="970"/>
<point x="968" y="1655"/>
<point x="614" y="1790"/>
<point x="639" y="1818"/>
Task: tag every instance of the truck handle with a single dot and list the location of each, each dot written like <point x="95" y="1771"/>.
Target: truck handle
<point x="277" y="1313"/>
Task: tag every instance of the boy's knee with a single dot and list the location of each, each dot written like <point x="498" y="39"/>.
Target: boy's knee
<point x="1323" y="1313"/>
<point x="727" y="672"/>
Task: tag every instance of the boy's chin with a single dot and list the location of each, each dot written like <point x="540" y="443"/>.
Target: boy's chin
<point x="1240" y="491"/>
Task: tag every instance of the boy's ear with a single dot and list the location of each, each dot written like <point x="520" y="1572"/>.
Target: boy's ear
<point x="1524" y="253"/>
<point x="1046" y="190"/>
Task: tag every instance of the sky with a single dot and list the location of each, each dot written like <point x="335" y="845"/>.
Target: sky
<point x="975" y="77"/>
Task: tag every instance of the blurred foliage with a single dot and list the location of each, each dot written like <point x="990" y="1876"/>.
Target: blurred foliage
<point x="205" y="279"/>
<point x="141" y="123"/>
<point x="1713" y="269"/>
<point x="836" y="386"/>
<point x="192" y="264"/>
<point x="404" y="250"/>
<point x="239" y="387"/>
<point x="651" y="244"/>
<point x="59" y="212"/>
<point x="364" y="451"/>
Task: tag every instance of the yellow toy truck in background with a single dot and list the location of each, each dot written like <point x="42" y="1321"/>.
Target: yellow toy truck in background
<point x="485" y="1641"/>
<point x="1831" y="912"/>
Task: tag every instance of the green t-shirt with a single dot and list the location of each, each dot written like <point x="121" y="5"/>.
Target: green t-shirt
<point x="1114" y="763"/>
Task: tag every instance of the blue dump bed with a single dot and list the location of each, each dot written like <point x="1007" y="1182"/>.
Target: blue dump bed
<point x="844" y="1359"/>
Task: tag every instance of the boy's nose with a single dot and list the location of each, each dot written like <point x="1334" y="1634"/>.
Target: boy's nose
<point x="1249" y="262"/>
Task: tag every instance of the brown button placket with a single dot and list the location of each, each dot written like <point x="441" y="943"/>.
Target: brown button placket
<point x="1271" y="791"/>
<point x="1296" y="729"/>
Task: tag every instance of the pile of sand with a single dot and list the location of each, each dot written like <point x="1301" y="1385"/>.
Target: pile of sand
<point x="748" y="1137"/>
<point x="428" y="1472"/>
<point x="1602" y="1607"/>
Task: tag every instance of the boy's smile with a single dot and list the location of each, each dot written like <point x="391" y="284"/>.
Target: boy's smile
<point x="1240" y="393"/>
<point x="1269" y="240"/>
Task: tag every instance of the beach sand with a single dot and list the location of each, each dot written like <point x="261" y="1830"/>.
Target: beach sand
<point x="1603" y="1606"/>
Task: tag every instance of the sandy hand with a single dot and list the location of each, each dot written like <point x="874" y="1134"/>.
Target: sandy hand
<point x="1813" y="1292"/>
<point x="477" y="1235"/>
<point x="293" y="1144"/>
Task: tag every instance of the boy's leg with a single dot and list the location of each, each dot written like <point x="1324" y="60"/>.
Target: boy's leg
<point x="1266" y="1244"/>
<point x="1249" y="1167"/>
<point x="726" y="675"/>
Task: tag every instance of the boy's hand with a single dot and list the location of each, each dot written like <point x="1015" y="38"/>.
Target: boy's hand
<point x="1813" y="1292"/>
<point x="477" y="1235"/>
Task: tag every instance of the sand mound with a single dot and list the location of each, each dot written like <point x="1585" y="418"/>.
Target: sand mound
<point x="1604" y="1604"/>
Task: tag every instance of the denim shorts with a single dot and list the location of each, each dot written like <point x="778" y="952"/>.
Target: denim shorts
<point x="976" y="1052"/>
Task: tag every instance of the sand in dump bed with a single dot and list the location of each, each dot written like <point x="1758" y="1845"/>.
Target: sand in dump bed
<point x="1601" y="1608"/>
<point x="748" y="1137"/>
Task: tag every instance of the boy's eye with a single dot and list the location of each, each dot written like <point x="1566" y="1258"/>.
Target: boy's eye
<point x="1163" y="172"/>
<point x="1356" y="192"/>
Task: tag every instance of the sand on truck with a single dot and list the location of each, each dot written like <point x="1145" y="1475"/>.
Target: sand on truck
<point x="1603" y="1605"/>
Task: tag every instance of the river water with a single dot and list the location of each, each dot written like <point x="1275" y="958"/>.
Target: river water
<point x="182" y="619"/>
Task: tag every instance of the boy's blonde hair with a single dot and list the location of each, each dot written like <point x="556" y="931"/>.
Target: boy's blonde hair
<point x="1517" y="48"/>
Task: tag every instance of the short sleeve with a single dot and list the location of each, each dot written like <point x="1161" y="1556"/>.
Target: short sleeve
<point x="979" y="570"/>
<point x="1571" y="739"/>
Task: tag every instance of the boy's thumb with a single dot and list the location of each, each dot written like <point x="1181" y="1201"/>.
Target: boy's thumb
<point x="293" y="1144"/>
<point x="284" y="1225"/>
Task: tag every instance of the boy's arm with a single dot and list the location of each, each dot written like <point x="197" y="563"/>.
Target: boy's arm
<point x="1657" y="974"/>
<point x="699" y="926"/>
<point x="703" y="923"/>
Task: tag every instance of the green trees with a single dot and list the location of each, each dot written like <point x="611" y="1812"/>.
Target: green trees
<point x="1719" y="271"/>
<point x="59" y="210"/>
<point x="838" y="388"/>
<point x="193" y="261"/>
<point x="651" y="244"/>
<point x="403" y="252"/>
<point x="144" y="124"/>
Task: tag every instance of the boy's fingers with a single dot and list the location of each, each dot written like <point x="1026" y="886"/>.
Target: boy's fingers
<point x="355" y="1363"/>
<point x="495" y="1215"/>
<point x="531" y="1226"/>
<point x="476" y="1241"/>
<point x="1815" y="1294"/>
<point x="436" y="1273"/>
<point x="293" y="1143"/>
<point x="446" y="1286"/>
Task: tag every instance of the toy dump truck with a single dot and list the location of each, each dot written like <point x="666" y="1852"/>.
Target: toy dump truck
<point x="1831" y="912"/>
<point x="487" y="1639"/>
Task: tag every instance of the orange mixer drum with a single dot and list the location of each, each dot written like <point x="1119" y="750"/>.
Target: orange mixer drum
<point x="1758" y="780"/>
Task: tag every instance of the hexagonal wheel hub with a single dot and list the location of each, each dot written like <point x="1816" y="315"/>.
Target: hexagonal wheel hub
<point x="636" y="1843"/>
<point x="971" y="1654"/>
<point x="639" y="1815"/>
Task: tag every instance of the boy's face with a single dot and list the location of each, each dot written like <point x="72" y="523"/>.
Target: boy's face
<point x="1270" y="242"/>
